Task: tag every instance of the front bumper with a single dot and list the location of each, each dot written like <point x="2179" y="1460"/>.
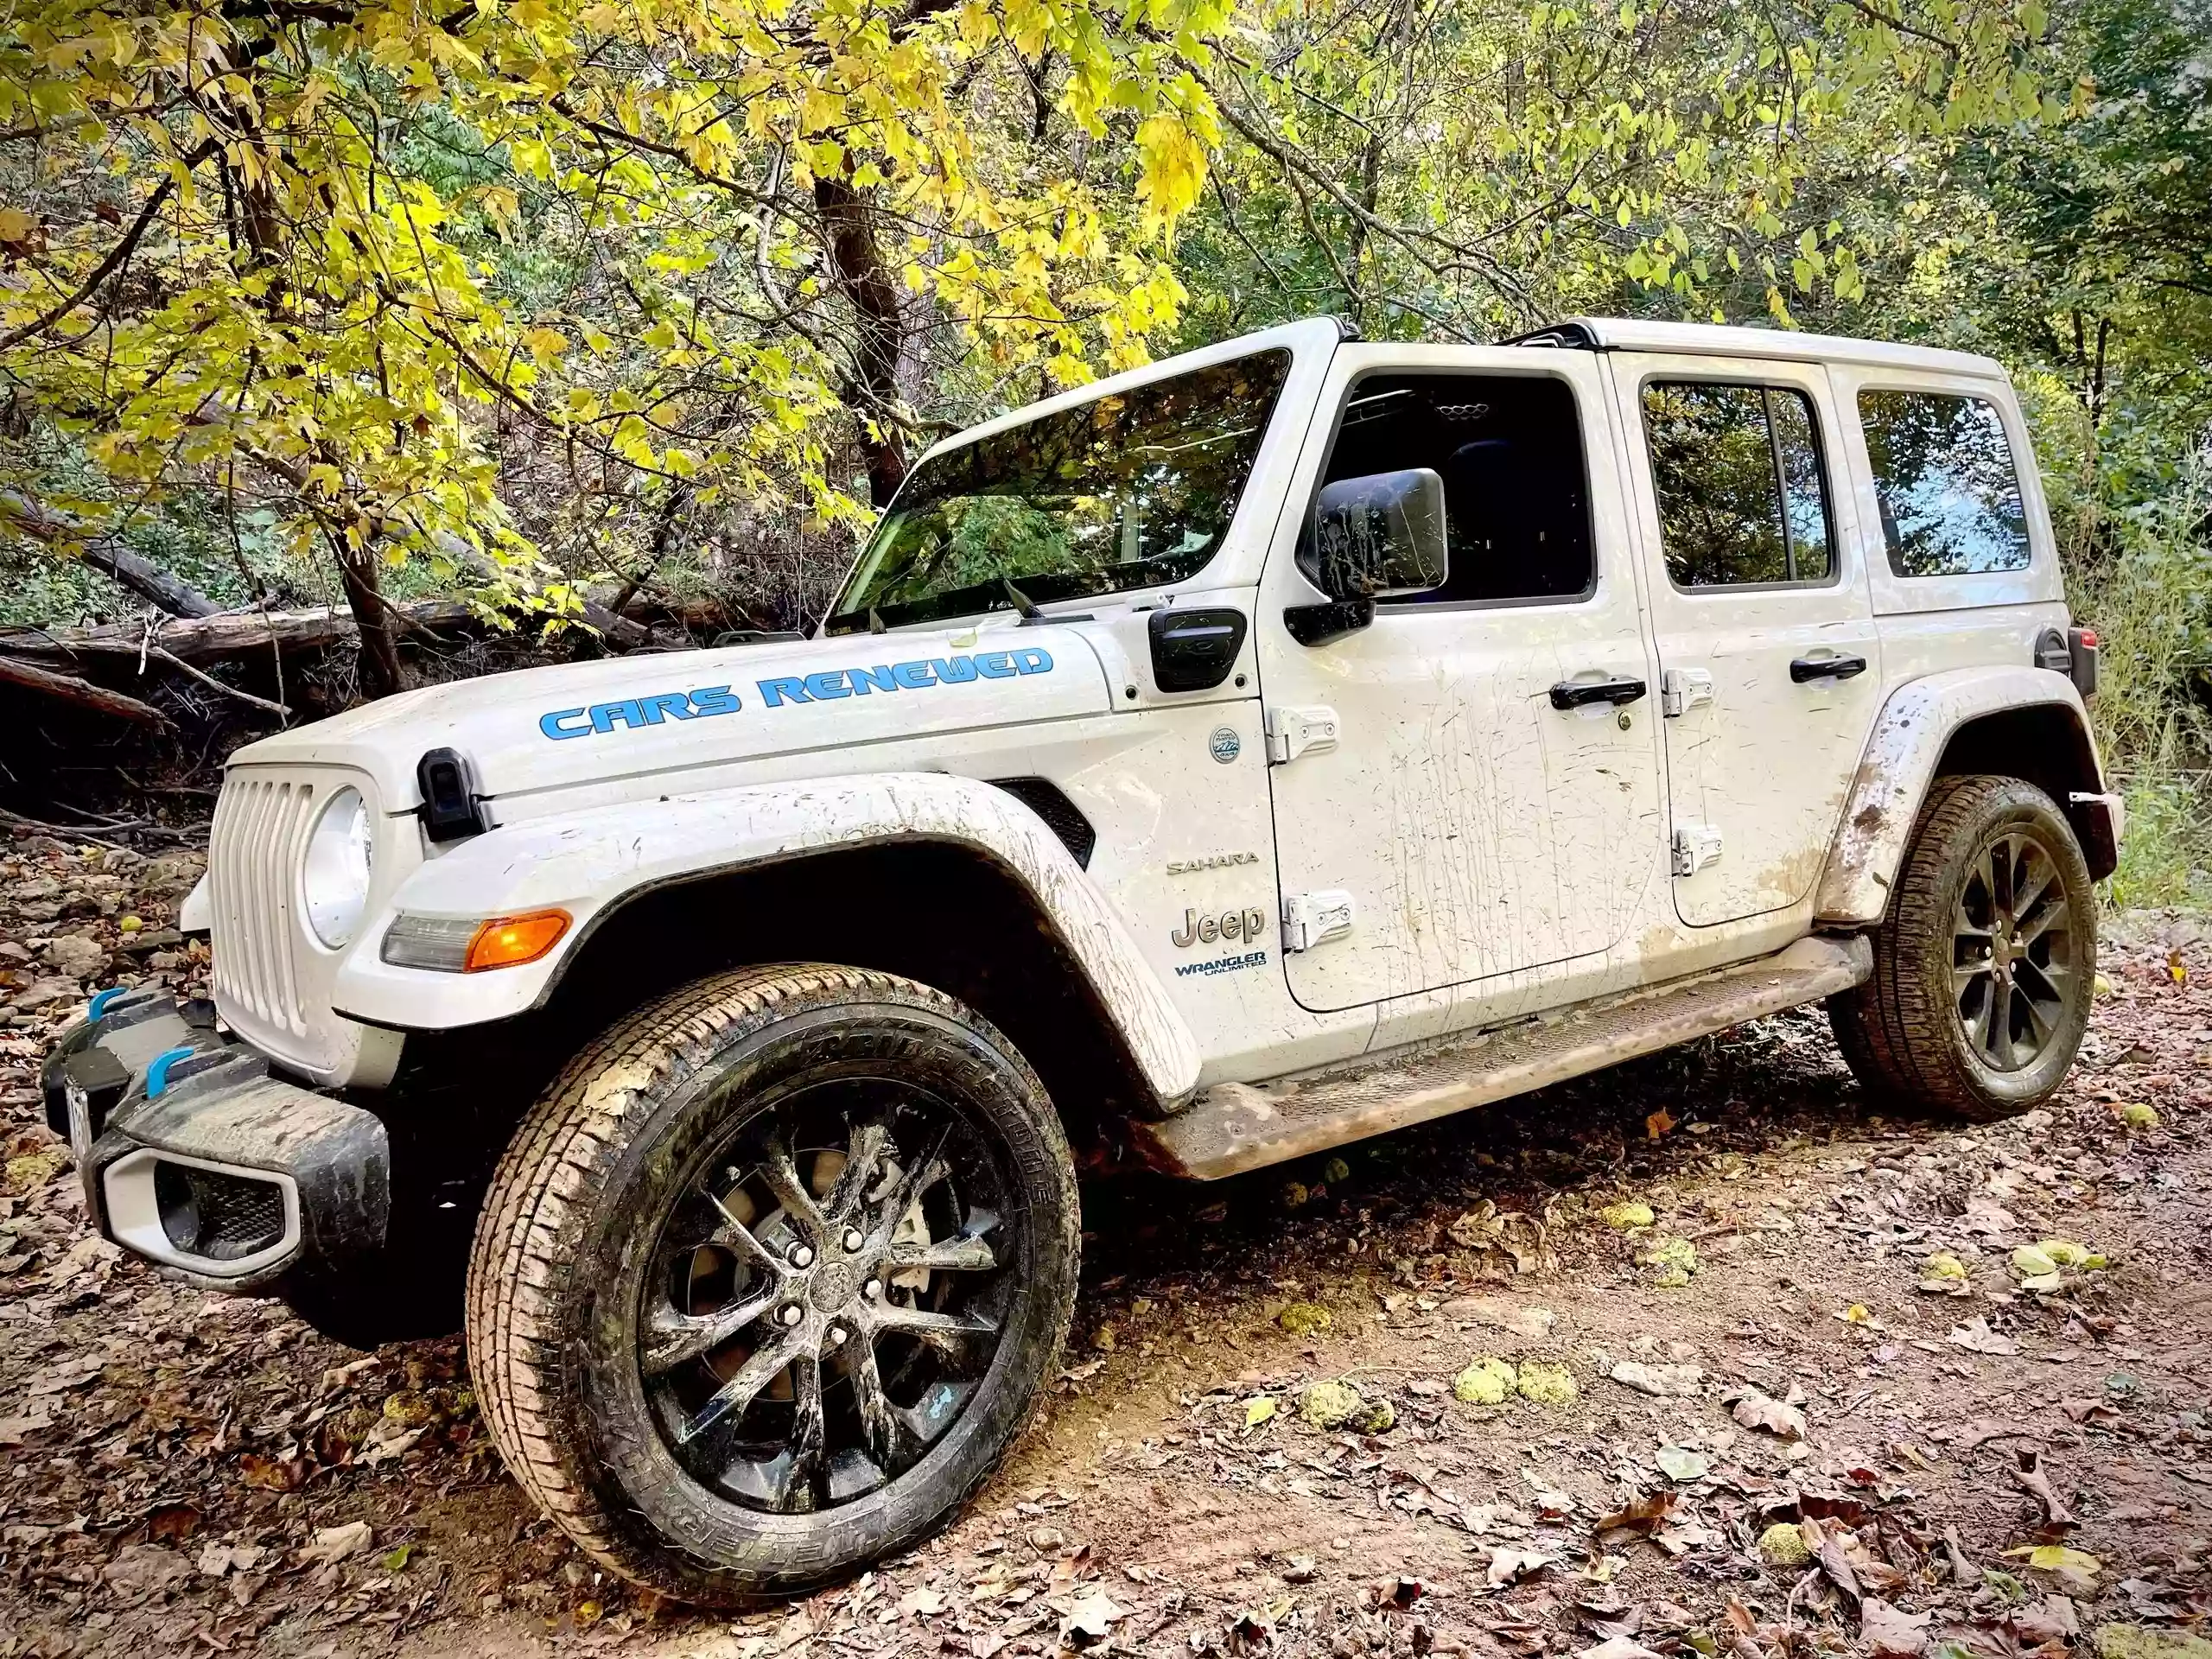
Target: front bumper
<point x="195" y="1157"/>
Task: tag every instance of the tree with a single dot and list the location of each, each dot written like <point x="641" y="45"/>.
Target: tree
<point x="435" y="284"/>
<point x="1473" y="169"/>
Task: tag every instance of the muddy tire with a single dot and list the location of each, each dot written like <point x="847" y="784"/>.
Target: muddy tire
<point x="770" y="1280"/>
<point x="1984" y="969"/>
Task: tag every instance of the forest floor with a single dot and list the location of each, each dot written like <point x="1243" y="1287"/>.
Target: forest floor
<point x="1878" y="1426"/>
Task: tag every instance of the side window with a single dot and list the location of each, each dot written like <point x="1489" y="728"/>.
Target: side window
<point x="1950" y="497"/>
<point x="1743" y="498"/>
<point x="1508" y="449"/>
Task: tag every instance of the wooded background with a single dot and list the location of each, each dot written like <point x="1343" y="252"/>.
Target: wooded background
<point x="347" y="344"/>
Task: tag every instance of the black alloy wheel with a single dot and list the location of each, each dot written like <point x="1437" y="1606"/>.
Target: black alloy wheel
<point x="817" y="1318"/>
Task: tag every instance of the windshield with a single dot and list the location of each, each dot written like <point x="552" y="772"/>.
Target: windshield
<point x="1129" y="490"/>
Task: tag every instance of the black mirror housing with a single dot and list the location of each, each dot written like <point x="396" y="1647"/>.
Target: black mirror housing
<point x="1378" y="536"/>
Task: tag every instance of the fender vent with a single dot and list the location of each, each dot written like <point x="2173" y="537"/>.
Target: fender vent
<point x="1043" y="797"/>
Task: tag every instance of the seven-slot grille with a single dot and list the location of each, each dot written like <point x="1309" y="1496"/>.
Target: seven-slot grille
<point x="254" y="852"/>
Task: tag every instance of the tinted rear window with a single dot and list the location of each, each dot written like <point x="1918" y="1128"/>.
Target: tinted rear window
<point x="1951" y="496"/>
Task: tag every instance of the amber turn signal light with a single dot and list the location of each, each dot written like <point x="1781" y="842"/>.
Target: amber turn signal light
<point x="509" y="941"/>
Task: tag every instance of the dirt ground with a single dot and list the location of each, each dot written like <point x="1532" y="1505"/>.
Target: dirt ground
<point x="1771" y="1373"/>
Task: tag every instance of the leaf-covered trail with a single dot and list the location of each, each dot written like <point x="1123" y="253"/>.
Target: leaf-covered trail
<point x="184" y="1474"/>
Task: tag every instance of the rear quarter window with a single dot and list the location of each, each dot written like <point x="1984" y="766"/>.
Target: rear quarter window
<point x="1949" y="491"/>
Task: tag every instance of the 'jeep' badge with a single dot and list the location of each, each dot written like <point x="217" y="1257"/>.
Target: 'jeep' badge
<point x="1231" y="924"/>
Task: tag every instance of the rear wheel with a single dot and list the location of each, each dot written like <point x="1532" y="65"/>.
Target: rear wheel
<point x="769" y="1281"/>
<point x="1985" y="971"/>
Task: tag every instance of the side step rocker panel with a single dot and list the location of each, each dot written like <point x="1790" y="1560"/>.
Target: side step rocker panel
<point x="1234" y="1127"/>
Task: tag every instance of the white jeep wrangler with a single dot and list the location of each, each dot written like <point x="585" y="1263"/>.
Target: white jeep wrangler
<point x="1277" y="745"/>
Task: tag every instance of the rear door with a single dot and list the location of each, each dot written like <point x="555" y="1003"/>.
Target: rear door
<point x="1770" y="661"/>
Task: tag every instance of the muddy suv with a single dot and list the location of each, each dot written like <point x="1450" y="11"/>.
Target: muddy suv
<point x="1287" y="743"/>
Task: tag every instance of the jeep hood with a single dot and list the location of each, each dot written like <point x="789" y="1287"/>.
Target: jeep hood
<point x="551" y="729"/>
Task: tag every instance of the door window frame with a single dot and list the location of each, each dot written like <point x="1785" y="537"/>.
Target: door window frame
<point x="1416" y="602"/>
<point x="1820" y="450"/>
<point x="2039" y="583"/>
<point x="1604" y="490"/>
<point x="1750" y="375"/>
<point x="1842" y="462"/>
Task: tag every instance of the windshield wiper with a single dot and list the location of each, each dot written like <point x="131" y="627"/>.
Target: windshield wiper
<point x="1031" y="616"/>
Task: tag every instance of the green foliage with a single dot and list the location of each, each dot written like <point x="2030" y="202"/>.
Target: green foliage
<point x="458" y="287"/>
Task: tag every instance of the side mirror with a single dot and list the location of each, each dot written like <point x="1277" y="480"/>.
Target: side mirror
<point x="1378" y="536"/>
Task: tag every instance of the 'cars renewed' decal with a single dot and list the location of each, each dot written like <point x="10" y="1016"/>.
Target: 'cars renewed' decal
<point x="633" y="713"/>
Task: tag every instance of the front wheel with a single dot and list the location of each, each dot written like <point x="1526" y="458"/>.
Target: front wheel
<point x="1985" y="971"/>
<point x="769" y="1281"/>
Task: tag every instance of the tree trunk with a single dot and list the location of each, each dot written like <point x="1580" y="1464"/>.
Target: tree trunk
<point x="149" y="580"/>
<point x="141" y="575"/>
<point x="381" y="674"/>
<point x="233" y="633"/>
<point x="856" y="259"/>
<point x="83" y="693"/>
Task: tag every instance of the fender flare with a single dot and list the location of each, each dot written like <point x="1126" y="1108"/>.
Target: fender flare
<point x="1898" y="768"/>
<point x="589" y="862"/>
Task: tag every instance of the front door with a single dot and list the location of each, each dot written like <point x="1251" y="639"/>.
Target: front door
<point x="1440" y="815"/>
<point x="1770" y="663"/>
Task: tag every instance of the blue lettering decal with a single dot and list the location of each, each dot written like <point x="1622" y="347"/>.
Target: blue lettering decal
<point x="636" y="713"/>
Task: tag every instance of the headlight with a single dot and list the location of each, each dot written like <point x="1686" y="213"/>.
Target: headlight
<point x="335" y="880"/>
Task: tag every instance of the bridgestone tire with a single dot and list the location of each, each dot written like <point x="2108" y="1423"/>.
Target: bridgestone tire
<point x="1902" y="1033"/>
<point x="555" y="1277"/>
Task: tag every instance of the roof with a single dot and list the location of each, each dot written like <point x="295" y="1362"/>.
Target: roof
<point x="1703" y="339"/>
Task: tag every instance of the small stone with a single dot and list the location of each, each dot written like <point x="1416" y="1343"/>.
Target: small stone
<point x="1485" y="1383"/>
<point x="1626" y="1216"/>
<point x="75" y="956"/>
<point x="1685" y="1382"/>
<point x="1784" y="1545"/>
<point x="45" y="992"/>
<point x="1545" y="1383"/>
<point x="1304" y="1318"/>
<point x="146" y="1569"/>
<point x="1522" y="1318"/>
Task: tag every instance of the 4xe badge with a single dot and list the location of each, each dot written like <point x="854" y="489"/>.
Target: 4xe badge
<point x="1230" y="925"/>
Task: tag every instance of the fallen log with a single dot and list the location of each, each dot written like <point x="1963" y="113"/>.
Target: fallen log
<point x="163" y="589"/>
<point x="67" y="688"/>
<point x="230" y="633"/>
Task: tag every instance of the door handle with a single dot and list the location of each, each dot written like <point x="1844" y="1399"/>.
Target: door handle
<point x="1805" y="668"/>
<point x="1580" y="694"/>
